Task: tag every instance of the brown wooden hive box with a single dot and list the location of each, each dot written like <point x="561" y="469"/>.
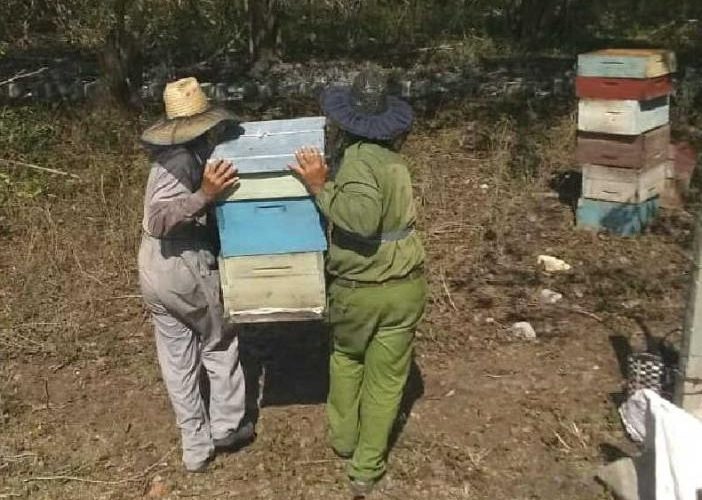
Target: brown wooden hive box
<point x="640" y="151"/>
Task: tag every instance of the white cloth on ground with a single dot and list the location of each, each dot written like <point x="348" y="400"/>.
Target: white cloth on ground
<point x="675" y="437"/>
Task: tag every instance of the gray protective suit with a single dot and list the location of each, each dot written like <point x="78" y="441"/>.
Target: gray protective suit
<point x="180" y="285"/>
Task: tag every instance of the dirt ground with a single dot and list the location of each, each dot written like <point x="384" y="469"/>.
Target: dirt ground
<point x="84" y="414"/>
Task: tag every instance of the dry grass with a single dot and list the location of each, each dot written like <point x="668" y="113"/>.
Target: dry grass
<point x="72" y="244"/>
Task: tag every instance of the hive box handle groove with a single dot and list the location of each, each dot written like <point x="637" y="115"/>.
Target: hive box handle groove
<point x="278" y="208"/>
<point x="272" y="269"/>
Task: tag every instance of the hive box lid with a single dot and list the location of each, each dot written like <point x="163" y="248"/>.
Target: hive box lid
<point x="269" y="146"/>
<point x="627" y="63"/>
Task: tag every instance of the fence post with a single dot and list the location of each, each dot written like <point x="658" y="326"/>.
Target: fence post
<point x="688" y="391"/>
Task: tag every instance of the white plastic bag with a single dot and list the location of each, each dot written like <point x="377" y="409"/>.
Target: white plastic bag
<point x="674" y="435"/>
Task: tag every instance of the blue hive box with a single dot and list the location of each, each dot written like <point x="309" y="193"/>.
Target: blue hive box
<point x="265" y="227"/>
<point x="623" y="219"/>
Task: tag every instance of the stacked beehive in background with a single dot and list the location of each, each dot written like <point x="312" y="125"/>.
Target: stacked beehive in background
<point x="623" y="136"/>
<point x="271" y="234"/>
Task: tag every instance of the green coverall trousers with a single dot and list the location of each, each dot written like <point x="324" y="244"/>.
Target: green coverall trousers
<point x="372" y="335"/>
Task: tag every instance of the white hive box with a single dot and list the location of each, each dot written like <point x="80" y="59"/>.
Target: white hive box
<point x="622" y="117"/>
<point x="623" y="185"/>
<point x="265" y="288"/>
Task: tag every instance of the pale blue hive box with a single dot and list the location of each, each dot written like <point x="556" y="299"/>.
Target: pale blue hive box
<point x="269" y="146"/>
<point x="623" y="219"/>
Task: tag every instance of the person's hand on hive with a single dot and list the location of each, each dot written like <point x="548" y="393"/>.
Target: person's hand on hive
<point x="311" y="168"/>
<point x="218" y="177"/>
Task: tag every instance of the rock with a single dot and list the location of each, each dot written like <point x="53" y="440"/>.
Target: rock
<point x="523" y="330"/>
<point x="552" y="264"/>
<point x="550" y="297"/>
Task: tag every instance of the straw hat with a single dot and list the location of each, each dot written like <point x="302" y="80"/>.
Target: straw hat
<point x="188" y="115"/>
<point x="366" y="109"/>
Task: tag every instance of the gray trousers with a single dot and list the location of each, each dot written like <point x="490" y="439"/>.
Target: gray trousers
<point x="181" y="288"/>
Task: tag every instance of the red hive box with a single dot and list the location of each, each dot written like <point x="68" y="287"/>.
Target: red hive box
<point x="623" y="88"/>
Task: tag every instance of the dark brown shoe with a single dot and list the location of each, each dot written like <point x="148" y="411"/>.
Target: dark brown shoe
<point x="237" y="439"/>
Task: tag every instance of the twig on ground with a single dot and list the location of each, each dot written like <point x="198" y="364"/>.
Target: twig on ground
<point x="84" y="272"/>
<point x="16" y="163"/>
<point x="22" y="74"/>
<point x="560" y="439"/>
<point x="317" y="462"/>
<point x="47" y="400"/>
<point x="448" y="293"/>
<point x="579" y="310"/>
<point x="15" y="458"/>
<point x="131" y="479"/>
<point x="121" y="297"/>
<point x="575" y="309"/>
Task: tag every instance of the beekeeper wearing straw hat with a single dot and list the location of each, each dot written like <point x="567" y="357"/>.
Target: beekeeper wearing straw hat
<point x="179" y="277"/>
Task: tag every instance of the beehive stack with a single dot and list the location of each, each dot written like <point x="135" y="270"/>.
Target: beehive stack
<point x="623" y="136"/>
<point x="271" y="234"/>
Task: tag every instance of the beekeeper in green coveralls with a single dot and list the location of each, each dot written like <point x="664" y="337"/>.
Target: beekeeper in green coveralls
<point x="377" y="289"/>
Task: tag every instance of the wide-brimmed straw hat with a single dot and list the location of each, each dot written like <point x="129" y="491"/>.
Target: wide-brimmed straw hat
<point x="188" y="115"/>
<point x="365" y="109"/>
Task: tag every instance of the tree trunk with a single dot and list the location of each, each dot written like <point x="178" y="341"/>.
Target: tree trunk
<point x="121" y="61"/>
<point x="264" y="31"/>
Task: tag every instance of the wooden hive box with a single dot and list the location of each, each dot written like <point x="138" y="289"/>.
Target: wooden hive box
<point x="587" y="87"/>
<point x="271" y="234"/>
<point x="627" y="63"/>
<point x="262" y="153"/>
<point x="622" y="117"/>
<point x="272" y="226"/>
<point x="266" y="288"/>
<point x="623" y="185"/>
<point x="629" y="151"/>
<point x="623" y="219"/>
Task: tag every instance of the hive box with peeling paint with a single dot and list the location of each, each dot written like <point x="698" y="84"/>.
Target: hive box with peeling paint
<point x="623" y="219"/>
<point x="623" y="185"/>
<point x="269" y="146"/>
<point x="627" y="63"/>
<point x="638" y="151"/>
<point x="623" y="88"/>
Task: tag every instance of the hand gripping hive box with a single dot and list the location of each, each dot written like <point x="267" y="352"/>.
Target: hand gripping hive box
<point x="271" y="233"/>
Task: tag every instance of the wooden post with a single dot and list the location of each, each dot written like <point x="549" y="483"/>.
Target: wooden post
<point x="688" y="391"/>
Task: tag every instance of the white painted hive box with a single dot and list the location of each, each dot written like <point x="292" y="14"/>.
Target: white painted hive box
<point x="623" y="185"/>
<point x="266" y="288"/>
<point x="622" y="117"/>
